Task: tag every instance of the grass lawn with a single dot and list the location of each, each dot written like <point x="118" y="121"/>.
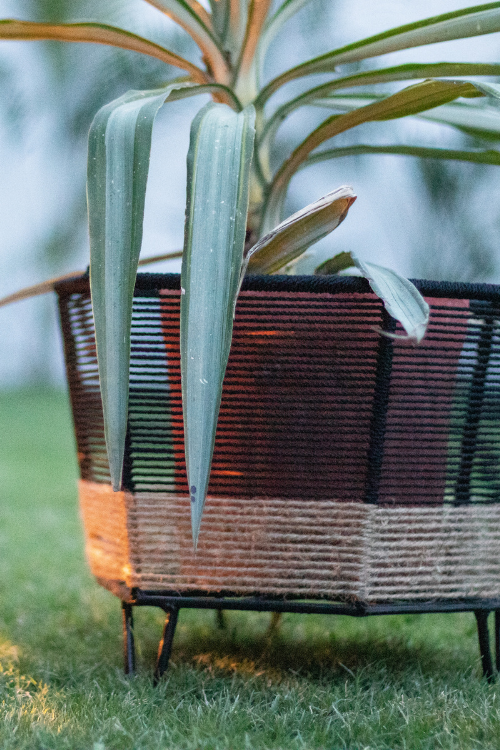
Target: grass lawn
<point x="318" y="682"/>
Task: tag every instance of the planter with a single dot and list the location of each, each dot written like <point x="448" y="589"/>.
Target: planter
<point x="352" y="472"/>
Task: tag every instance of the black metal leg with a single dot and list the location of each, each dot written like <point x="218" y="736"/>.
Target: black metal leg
<point x="165" y="646"/>
<point x="484" y="643"/>
<point x="274" y="622"/>
<point x="497" y="639"/>
<point x="220" y="618"/>
<point x="128" y="638"/>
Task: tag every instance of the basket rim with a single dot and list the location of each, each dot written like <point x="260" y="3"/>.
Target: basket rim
<point x="149" y="282"/>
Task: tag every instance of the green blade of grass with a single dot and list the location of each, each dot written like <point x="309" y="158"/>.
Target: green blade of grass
<point x="489" y="156"/>
<point x="340" y="262"/>
<point x="195" y="24"/>
<point x="219" y="161"/>
<point x="271" y="28"/>
<point x="477" y="119"/>
<point x="480" y="122"/>
<point x="220" y="17"/>
<point x="410" y="71"/>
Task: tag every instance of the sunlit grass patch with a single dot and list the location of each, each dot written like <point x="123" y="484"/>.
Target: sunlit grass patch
<point x="408" y="681"/>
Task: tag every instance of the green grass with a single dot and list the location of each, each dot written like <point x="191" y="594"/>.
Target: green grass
<point x="318" y="682"/>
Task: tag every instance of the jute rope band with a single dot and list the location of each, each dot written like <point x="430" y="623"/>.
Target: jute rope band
<point x="272" y="546"/>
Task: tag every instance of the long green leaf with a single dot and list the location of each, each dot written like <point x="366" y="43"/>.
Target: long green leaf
<point x="410" y="101"/>
<point x="118" y="161"/>
<point x="481" y="122"/>
<point x="467" y="22"/>
<point x="340" y="262"/>
<point x="181" y="12"/>
<point x="219" y="161"/>
<point x="205" y="17"/>
<point x="422" y="152"/>
<point x="220" y="17"/>
<point x="401" y="298"/>
<point x="407" y="72"/>
<point x="246" y="69"/>
<point x="238" y="16"/>
<point x="293" y="236"/>
<point x="97" y="33"/>
<point x="476" y="118"/>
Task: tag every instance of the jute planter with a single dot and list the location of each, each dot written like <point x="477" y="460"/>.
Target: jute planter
<point x="352" y="472"/>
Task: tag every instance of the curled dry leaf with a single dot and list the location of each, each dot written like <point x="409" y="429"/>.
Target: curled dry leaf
<point x="293" y="236"/>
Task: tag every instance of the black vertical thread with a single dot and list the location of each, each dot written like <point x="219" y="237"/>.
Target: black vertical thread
<point x="475" y="403"/>
<point x="127" y="473"/>
<point x="379" y="413"/>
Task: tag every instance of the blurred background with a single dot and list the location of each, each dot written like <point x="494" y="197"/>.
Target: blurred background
<point x="425" y="219"/>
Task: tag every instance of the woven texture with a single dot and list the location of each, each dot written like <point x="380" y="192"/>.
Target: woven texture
<point x="282" y="547"/>
<point x="346" y="464"/>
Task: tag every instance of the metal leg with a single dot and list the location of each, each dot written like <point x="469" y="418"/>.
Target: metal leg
<point x="220" y="618"/>
<point x="275" y="622"/>
<point x="484" y="643"/>
<point x="165" y="646"/>
<point x="128" y="639"/>
<point x="497" y="639"/>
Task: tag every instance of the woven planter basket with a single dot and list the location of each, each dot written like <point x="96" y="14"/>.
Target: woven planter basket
<point x="348" y="465"/>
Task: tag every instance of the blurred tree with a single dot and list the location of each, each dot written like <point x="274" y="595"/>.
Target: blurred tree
<point x="77" y="80"/>
<point x="59" y="87"/>
<point x="456" y="243"/>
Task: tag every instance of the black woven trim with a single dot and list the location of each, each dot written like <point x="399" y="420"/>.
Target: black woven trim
<point x="147" y="282"/>
<point x="458" y="290"/>
<point x="380" y="407"/>
<point x="332" y="284"/>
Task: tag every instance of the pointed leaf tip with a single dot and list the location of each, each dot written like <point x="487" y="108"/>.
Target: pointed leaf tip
<point x="219" y="162"/>
<point x="401" y="298"/>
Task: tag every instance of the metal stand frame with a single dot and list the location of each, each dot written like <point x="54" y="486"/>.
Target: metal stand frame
<point x="484" y="644"/>
<point x="171" y="603"/>
<point x="128" y="639"/>
<point x="165" y="647"/>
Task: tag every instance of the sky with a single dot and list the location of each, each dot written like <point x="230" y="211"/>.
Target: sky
<point x="38" y="175"/>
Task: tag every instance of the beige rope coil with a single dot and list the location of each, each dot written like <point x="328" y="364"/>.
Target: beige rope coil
<point x="273" y="546"/>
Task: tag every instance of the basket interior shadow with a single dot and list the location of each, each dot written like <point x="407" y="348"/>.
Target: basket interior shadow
<point x="352" y="472"/>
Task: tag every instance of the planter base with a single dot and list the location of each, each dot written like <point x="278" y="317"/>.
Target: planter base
<point x="171" y="603"/>
<point x="352" y="473"/>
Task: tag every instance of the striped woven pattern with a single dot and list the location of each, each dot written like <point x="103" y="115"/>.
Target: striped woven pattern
<point x="346" y="464"/>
